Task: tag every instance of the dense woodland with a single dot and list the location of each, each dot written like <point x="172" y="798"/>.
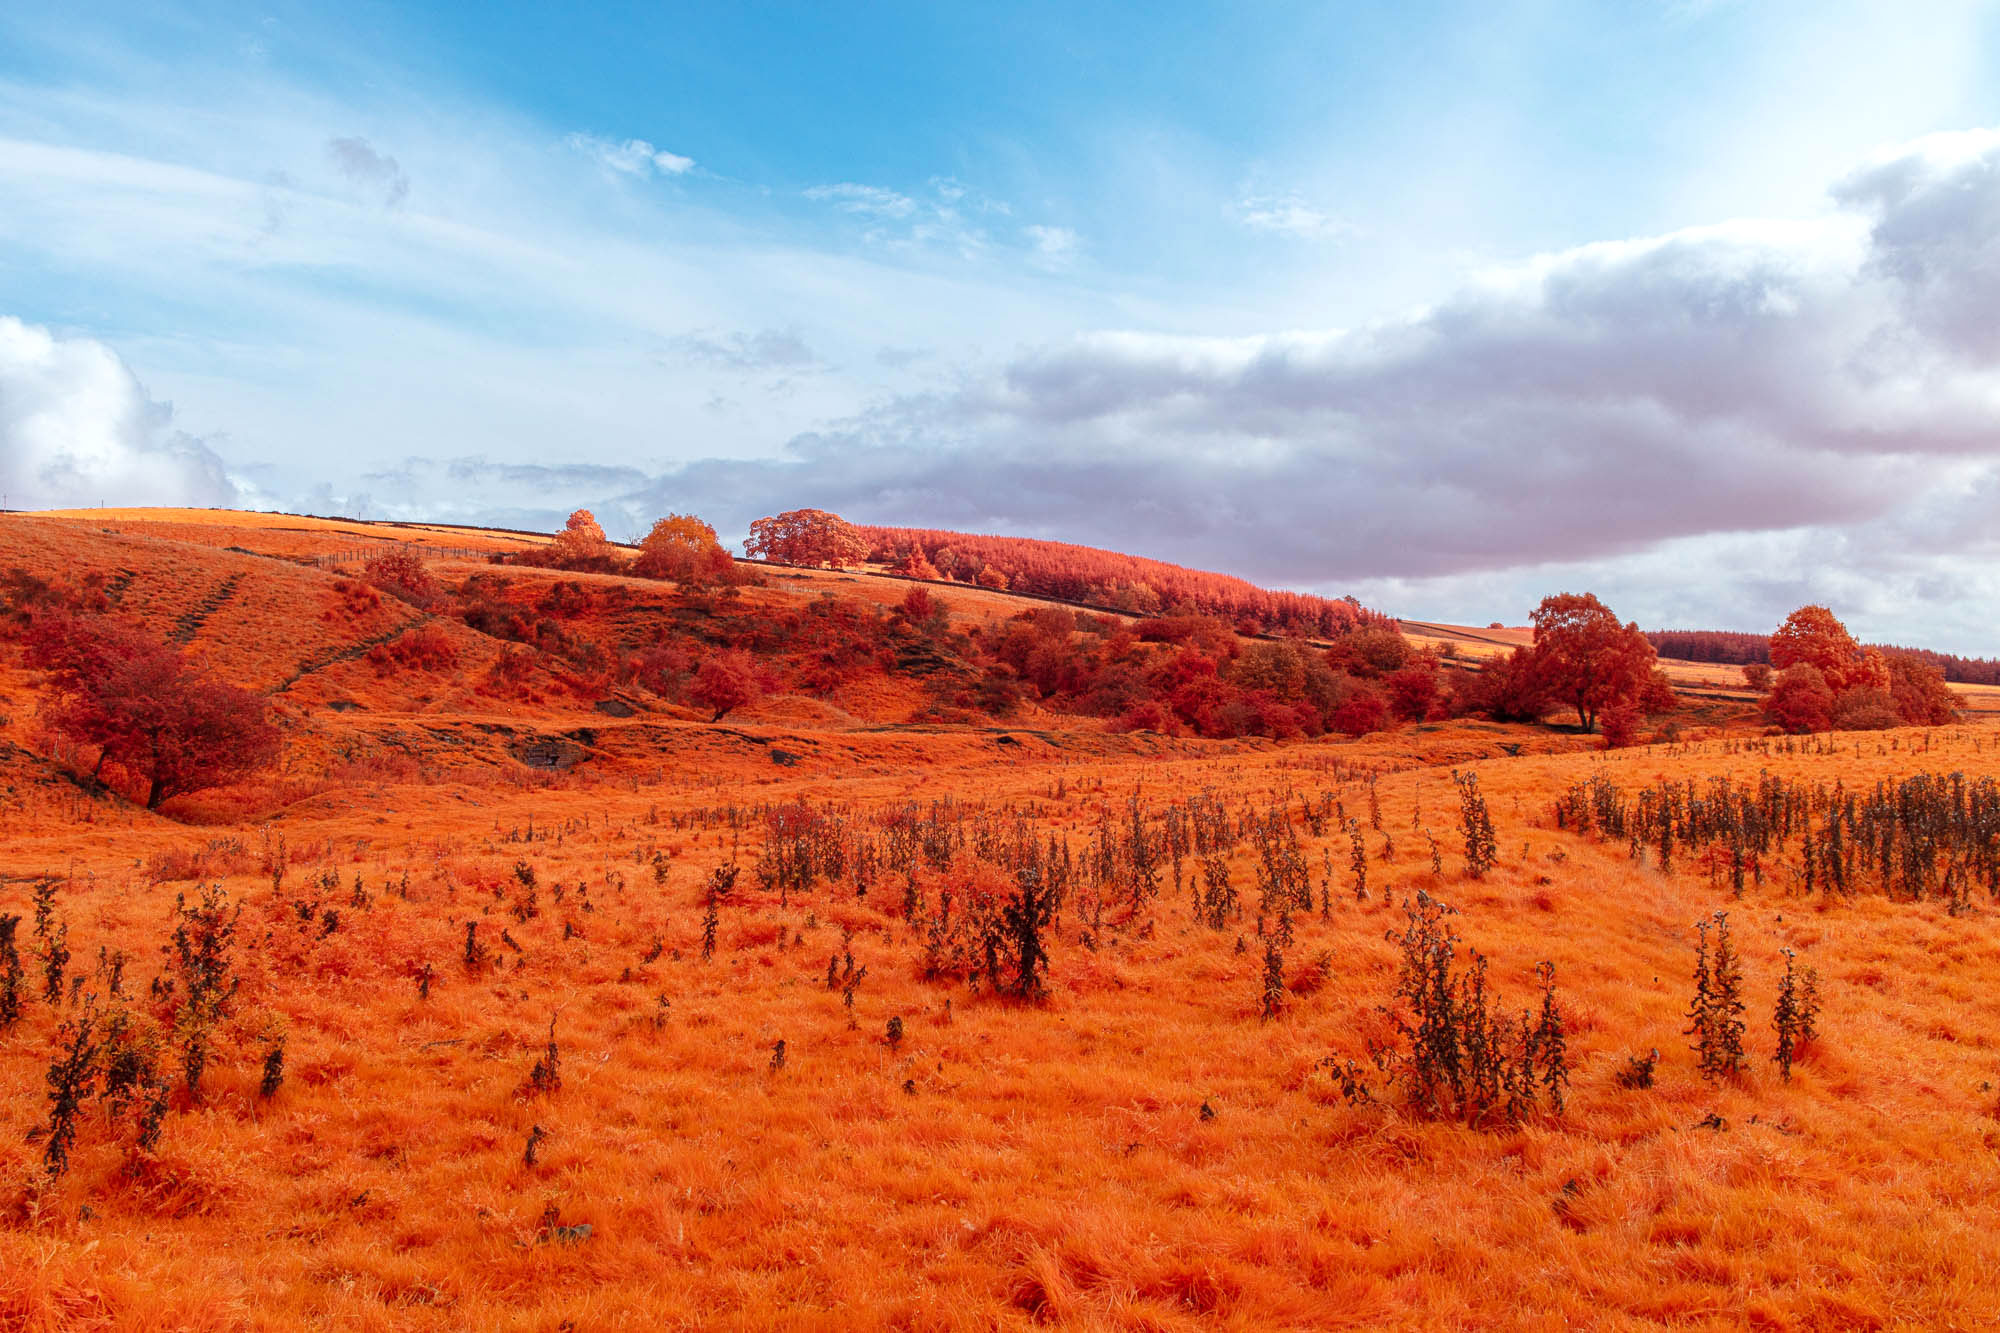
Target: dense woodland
<point x="1733" y="648"/>
<point x="1110" y="581"/>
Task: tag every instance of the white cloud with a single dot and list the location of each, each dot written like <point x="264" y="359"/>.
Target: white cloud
<point x="867" y="200"/>
<point x="1054" y="246"/>
<point x="1718" y="423"/>
<point x="632" y="157"/>
<point x="77" y="428"/>
<point x="1289" y="215"/>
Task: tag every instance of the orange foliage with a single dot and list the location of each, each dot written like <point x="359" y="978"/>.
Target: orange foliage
<point x="813" y="1109"/>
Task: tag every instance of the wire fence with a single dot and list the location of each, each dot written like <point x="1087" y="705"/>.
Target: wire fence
<point x="362" y="552"/>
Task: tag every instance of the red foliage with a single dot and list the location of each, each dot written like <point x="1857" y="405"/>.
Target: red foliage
<point x="1509" y="689"/>
<point x="1620" y="725"/>
<point x="806" y="537"/>
<point x="426" y="648"/>
<point x="147" y="709"/>
<point x="1918" y="691"/>
<point x="1800" y="701"/>
<point x="1811" y="636"/>
<point x="683" y="548"/>
<point x="1416" y="691"/>
<point x="724" y="682"/>
<point x="1586" y="659"/>
<point x="1107" y="579"/>
<point x="401" y="573"/>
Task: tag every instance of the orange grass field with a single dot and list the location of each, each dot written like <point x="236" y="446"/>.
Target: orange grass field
<point x="1142" y="1150"/>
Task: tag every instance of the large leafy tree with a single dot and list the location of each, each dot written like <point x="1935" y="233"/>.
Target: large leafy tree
<point x="1812" y="636"/>
<point x="1586" y="659"/>
<point x="148" y="709"/>
<point x="808" y="537"/>
<point x="683" y="548"/>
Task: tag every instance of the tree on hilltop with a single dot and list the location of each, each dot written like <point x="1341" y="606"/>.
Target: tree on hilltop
<point x="806" y="537"/>
<point x="683" y="548"/>
<point x="582" y="541"/>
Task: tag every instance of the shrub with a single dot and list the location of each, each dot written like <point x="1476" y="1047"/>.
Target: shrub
<point x="1482" y="846"/>
<point x="1456" y="1057"/>
<point x="724" y="682"/>
<point x="1715" y="1016"/>
<point x="401" y="573"/>
<point x="71" y="1078"/>
<point x="426" y="648"/>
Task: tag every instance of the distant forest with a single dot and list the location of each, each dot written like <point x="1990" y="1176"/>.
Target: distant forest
<point x="1732" y="648"/>
<point x="1106" y="579"/>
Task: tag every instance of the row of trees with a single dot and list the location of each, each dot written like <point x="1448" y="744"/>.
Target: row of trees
<point x="1733" y="648"/>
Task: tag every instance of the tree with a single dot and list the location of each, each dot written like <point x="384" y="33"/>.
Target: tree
<point x="1585" y="658"/>
<point x="1757" y="675"/>
<point x="582" y="541"/>
<point x="148" y="709"/>
<point x="723" y="682"/>
<point x="1811" y="636"/>
<point x="914" y="564"/>
<point x="1507" y="689"/>
<point x="1921" y="697"/>
<point x="806" y="537"/>
<point x="1800" y="700"/>
<point x="683" y="548"/>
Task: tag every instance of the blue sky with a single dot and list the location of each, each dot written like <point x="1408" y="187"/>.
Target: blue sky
<point x="1447" y="305"/>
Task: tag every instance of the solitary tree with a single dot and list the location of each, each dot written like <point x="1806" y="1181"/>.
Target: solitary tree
<point x="400" y="572"/>
<point x="808" y="537"/>
<point x="148" y="709"/>
<point x="723" y="682"/>
<point x="683" y="548"/>
<point x="582" y="541"/>
<point x="1586" y="659"/>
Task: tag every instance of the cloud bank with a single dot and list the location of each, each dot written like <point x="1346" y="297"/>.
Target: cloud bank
<point x="77" y="428"/>
<point x="1820" y="396"/>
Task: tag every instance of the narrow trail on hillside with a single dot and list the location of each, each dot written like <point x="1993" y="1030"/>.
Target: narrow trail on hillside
<point x="189" y="624"/>
<point x="353" y="650"/>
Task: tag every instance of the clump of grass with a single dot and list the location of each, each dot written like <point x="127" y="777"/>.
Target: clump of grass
<point x="273" y="1076"/>
<point x="1638" y="1070"/>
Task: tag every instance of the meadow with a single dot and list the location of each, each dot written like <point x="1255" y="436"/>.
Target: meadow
<point x="526" y="1014"/>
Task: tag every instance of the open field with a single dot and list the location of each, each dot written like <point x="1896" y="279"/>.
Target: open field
<point x="729" y="1136"/>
